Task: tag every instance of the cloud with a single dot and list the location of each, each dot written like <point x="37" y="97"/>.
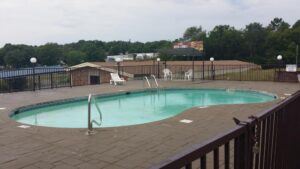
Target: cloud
<point x="39" y="21"/>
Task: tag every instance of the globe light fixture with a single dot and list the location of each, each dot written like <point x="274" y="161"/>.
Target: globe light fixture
<point x="279" y="57"/>
<point x="33" y="60"/>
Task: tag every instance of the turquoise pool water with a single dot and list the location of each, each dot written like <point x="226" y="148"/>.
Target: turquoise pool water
<point x="133" y="108"/>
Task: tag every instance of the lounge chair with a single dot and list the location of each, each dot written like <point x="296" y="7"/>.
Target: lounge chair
<point x="167" y="74"/>
<point x="115" y="79"/>
<point x="188" y="74"/>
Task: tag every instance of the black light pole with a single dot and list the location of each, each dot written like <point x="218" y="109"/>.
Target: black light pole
<point x="33" y="60"/>
<point x="193" y="77"/>
<point x="279" y="58"/>
<point x="212" y="67"/>
<point x="158" y="60"/>
<point x="118" y="60"/>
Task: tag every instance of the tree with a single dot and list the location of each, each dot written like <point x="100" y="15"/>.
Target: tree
<point x="255" y="37"/>
<point x="225" y="42"/>
<point x="1" y="57"/>
<point x="295" y="33"/>
<point x="49" y="54"/>
<point x="17" y="55"/>
<point x="94" y="53"/>
<point x="194" y="34"/>
<point x="296" y="24"/>
<point x="74" y="57"/>
<point x="277" y="24"/>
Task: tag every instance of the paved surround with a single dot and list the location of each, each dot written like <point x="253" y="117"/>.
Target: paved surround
<point x="131" y="147"/>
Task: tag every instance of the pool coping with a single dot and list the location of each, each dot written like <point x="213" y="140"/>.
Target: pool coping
<point x="125" y="92"/>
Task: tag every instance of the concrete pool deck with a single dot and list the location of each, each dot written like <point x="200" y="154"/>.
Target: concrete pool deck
<point x="131" y="147"/>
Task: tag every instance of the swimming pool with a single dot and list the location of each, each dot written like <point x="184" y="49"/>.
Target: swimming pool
<point x="130" y="108"/>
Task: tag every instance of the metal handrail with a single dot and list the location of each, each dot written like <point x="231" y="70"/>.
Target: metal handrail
<point x="153" y="76"/>
<point x="90" y="122"/>
<point x="149" y="85"/>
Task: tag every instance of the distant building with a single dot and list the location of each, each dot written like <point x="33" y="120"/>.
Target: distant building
<point x="132" y="56"/>
<point x="145" y="56"/>
<point x="122" y="57"/>
<point x="198" y="45"/>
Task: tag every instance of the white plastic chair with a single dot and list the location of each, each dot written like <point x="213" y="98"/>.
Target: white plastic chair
<point x="298" y="78"/>
<point x="167" y="74"/>
<point x="115" y="79"/>
<point x="188" y="74"/>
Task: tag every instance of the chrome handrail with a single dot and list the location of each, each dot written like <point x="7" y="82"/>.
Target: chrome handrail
<point x="90" y="122"/>
<point x="153" y="76"/>
<point x="149" y="85"/>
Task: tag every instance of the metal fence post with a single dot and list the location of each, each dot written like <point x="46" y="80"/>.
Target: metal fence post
<point x="203" y="70"/>
<point x="70" y="78"/>
<point x="240" y="72"/>
<point x="51" y="80"/>
<point x="33" y="79"/>
<point x="39" y="79"/>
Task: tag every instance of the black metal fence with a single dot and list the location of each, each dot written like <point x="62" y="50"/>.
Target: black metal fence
<point x="45" y="77"/>
<point x="246" y="72"/>
<point x="267" y="141"/>
<point x="13" y="80"/>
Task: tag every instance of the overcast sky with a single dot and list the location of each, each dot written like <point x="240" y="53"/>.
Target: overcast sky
<point x="36" y="22"/>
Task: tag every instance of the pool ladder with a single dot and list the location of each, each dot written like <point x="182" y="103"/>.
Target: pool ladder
<point x="90" y="130"/>
<point x="152" y="77"/>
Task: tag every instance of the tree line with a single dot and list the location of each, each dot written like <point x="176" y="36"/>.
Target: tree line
<point x="16" y="56"/>
<point x="254" y="43"/>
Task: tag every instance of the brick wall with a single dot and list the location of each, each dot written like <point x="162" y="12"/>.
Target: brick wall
<point x="104" y="76"/>
<point x="80" y="77"/>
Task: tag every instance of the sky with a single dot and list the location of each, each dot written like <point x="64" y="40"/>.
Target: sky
<point x="36" y="22"/>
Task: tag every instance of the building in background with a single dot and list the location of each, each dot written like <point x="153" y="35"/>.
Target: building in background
<point x="146" y="56"/>
<point x="132" y="56"/>
<point x="124" y="57"/>
<point x="198" y="45"/>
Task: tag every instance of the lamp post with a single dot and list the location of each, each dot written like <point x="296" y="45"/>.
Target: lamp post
<point x="33" y="61"/>
<point x="279" y="58"/>
<point x="158" y="60"/>
<point x="212" y="67"/>
<point x="118" y="60"/>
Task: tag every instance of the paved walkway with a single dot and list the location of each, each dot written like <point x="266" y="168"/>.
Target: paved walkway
<point x="132" y="147"/>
